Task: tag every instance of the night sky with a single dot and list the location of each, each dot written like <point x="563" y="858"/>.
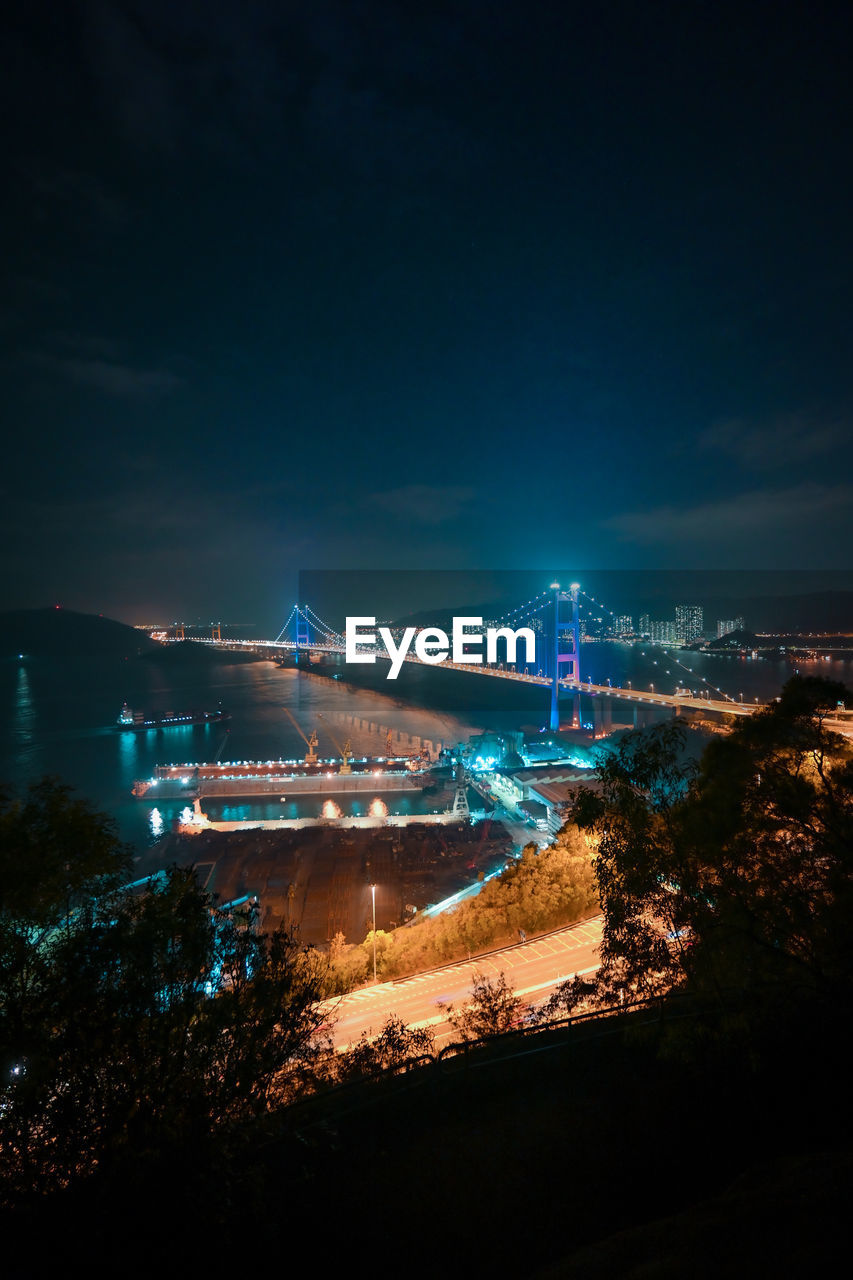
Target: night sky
<point x="375" y="285"/>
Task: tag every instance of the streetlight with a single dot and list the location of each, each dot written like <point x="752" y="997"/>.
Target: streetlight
<point x="373" y="895"/>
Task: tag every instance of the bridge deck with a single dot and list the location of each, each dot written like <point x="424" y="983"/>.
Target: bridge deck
<point x="542" y="681"/>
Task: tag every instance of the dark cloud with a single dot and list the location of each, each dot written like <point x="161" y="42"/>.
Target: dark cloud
<point x="761" y="527"/>
<point x="134" y="80"/>
<point x="87" y="345"/>
<point x="84" y="197"/>
<point x="120" y="379"/>
<point x="458" y="282"/>
<point x="788" y="438"/>
<point x="426" y="504"/>
<point x="148" y="540"/>
<point x="100" y="364"/>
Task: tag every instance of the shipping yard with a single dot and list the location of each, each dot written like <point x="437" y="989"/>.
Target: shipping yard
<point x="313" y="840"/>
<point x="319" y="878"/>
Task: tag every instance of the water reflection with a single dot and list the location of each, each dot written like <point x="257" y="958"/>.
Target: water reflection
<point x="25" y="716"/>
<point x="24" y="722"/>
<point x="128" y="752"/>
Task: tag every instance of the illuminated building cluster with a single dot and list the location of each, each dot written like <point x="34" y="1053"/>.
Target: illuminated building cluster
<point x="726" y="626"/>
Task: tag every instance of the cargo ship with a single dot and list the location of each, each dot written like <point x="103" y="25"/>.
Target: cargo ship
<point x="293" y="777"/>
<point x="130" y="719"/>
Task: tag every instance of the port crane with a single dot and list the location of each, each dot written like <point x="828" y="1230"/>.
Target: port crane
<point x="311" y="743"/>
<point x="345" y="750"/>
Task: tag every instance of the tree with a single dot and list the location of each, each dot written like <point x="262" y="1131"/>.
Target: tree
<point x="770" y="828"/>
<point x="55" y="851"/>
<point x="57" y="855"/>
<point x="141" y="1021"/>
<point x="493" y="1009"/>
<point x="396" y="1046"/>
<point x="734" y="879"/>
<point x="643" y="886"/>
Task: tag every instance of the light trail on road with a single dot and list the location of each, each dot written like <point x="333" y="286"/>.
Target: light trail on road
<point x="534" y="968"/>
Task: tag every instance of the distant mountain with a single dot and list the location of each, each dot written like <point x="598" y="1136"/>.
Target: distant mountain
<point x="816" y="611"/>
<point x="779" y="640"/>
<point x="54" y="632"/>
<point x="191" y="652"/>
<point x="731" y="640"/>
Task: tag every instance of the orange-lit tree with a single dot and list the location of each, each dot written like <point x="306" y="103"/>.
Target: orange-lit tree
<point x="730" y="879"/>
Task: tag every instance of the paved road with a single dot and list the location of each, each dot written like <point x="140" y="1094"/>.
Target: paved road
<point x="534" y="969"/>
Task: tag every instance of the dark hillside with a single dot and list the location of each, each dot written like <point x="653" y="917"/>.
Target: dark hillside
<point x="190" y="653"/>
<point x="56" y="632"/>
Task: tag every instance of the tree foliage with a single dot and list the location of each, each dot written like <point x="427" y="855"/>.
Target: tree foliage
<point x="397" y="1046"/>
<point x="542" y="890"/>
<point x="733" y="878"/>
<point x="132" y="1021"/>
<point x="55" y="851"/>
<point x="493" y="1009"/>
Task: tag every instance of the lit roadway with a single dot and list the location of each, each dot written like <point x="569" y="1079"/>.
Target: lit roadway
<point x="533" y="968"/>
<point x="650" y="698"/>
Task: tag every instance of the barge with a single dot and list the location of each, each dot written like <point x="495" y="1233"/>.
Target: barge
<point x="130" y="719"/>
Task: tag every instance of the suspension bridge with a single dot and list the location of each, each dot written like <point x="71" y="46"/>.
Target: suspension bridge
<point x="554" y="615"/>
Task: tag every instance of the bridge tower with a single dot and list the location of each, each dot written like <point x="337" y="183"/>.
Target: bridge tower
<point x="301" y="629"/>
<point x="216" y="631"/>
<point x="566" y="631"/>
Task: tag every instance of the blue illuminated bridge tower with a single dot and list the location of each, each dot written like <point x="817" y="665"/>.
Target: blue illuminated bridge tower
<point x="565" y="656"/>
<point x="301" y="629"/>
<point x="298" y="630"/>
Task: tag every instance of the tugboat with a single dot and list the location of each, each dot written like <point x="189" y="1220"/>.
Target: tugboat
<point x="130" y="719"/>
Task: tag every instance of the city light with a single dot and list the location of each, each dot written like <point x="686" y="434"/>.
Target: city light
<point x="373" y="897"/>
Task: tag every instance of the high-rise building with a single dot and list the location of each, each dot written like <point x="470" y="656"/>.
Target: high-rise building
<point x="623" y="625"/>
<point x="594" y="627"/>
<point x="644" y="624"/>
<point x="724" y="628"/>
<point x="688" y="622"/>
<point x="663" y="633"/>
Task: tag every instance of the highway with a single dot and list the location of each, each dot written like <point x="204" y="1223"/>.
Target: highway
<point x="534" y="968"/>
